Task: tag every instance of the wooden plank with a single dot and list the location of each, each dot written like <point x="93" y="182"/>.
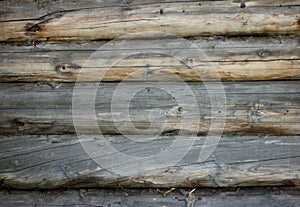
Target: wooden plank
<point x="239" y="197"/>
<point x="87" y="20"/>
<point x="43" y="108"/>
<point x="260" y="108"/>
<point x="233" y="59"/>
<point x="46" y="162"/>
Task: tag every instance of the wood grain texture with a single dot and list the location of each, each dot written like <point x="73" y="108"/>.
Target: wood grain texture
<point x="88" y="20"/>
<point x="46" y="162"/>
<point x="43" y="108"/>
<point x="238" y="197"/>
<point x="233" y="59"/>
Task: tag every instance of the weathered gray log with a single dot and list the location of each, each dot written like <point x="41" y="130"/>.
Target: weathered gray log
<point x="46" y="108"/>
<point x="87" y="20"/>
<point x="234" y="59"/>
<point x="238" y="197"/>
<point x="47" y="162"/>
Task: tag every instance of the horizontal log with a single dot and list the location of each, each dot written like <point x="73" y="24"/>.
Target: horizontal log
<point x="87" y="20"/>
<point x="46" y="162"/>
<point x="206" y="197"/>
<point x="230" y="59"/>
<point x="265" y="107"/>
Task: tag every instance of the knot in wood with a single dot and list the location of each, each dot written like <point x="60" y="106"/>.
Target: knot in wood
<point x="259" y="113"/>
<point x="33" y="28"/>
<point x="64" y="69"/>
<point x="263" y="53"/>
<point x="176" y="111"/>
<point x="19" y="124"/>
<point x="255" y="112"/>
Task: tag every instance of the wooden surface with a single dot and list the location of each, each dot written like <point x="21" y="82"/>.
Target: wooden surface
<point x="46" y="162"/>
<point x="260" y="108"/>
<point x="252" y="46"/>
<point x="81" y="20"/>
<point x="233" y="59"/>
<point x="263" y="197"/>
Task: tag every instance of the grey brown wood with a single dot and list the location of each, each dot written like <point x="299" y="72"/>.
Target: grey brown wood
<point x="253" y="46"/>
<point x="87" y="20"/>
<point x="233" y="59"/>
<point x="239" y="197"/>
<point x="46" y="162"/>
<point x="46" y="108"/>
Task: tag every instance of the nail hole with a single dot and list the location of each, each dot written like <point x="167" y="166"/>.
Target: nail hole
<point x="243" y="5"/>
<point x="161" y="11"/>
<point x="183" y="11"/>
<point x="219" y="112"/>
<point x="180" y="109"/>
<point x="63" y="67"/>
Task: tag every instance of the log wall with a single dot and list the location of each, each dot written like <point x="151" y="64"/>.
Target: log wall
<point x="253" y="46"/>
